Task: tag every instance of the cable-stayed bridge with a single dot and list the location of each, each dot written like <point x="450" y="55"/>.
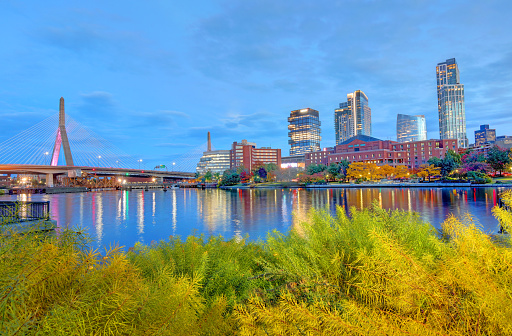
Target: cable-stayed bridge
<point x="59" y="145"/>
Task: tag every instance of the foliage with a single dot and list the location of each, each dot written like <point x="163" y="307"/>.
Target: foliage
<point x="471" y="157"/>
<point x="336" y="171"/>
<point x="387" y="171"/>
<point x="262" y="172"/>
<point x="365" y="272"/>
<point x="230" y="177"/>
<point x="208" y="176"/>
<point x="309" y="179"/>
<point x="499" y="159"/>
<point x="450" y="162"/>
<point x="476" y="166"/>
<point x="428" y="170"/>
<point x="364" y="170"/>
<point x="313" y="169"/>
<point x="245" y="176"/>
<point x="478" y="177"/>
<point x="216" y="176"/>
<point x="401" y="171"/>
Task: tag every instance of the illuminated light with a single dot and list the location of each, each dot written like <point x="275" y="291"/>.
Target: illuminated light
<point x="126" y="174"/>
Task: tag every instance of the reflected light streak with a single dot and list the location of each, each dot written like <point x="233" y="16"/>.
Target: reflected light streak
<point x="99" y="217"/>
<point x="140" y="213"/>
<point x="174" y="212"/>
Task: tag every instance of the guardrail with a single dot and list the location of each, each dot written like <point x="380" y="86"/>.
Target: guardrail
<point x="18" y="211"/>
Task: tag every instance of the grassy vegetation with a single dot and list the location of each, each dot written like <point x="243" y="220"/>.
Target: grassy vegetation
<point x="375" y="272"/>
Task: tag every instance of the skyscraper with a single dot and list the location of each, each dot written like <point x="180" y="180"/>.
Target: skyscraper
<point x="304" y="131"/>
<point x="353" y="117"/>
<point x="485" y="135"/>
<point x="410" y="128"/>
<point x="450" y="103"/>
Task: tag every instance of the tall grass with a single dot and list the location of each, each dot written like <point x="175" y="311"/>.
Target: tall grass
<point x="374" y="272"/>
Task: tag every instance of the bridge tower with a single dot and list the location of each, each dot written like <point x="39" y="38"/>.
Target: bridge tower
<point x="61" y="139"/>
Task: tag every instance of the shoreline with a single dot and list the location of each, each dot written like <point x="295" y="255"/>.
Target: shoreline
<point x="398" y="185"/>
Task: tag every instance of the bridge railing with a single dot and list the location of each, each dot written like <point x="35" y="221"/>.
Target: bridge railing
<point x="17" y="211"/>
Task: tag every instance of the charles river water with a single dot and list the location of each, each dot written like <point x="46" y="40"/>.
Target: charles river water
<point x="127" y="217"/>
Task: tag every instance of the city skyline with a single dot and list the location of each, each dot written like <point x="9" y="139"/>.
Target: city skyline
<point x="154" y="79"/>
<point x="353" y="117"/>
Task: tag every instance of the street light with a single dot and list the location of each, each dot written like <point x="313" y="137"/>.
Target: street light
<point x="46" y="153"/>
<point x="99" y="157"/>
<point x="173" y="165"/>
<point x="140" y="160"/>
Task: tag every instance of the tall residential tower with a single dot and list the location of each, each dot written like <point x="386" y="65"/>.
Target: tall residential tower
<point x="410" y="128"/>
<point x="450" y="103"/>
<point x="304" y="131"/>
<point x="353" y="117"/>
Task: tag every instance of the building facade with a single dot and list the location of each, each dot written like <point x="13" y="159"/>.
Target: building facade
<point x="246" y="154"/>
<point x="353" y="117"/>
<point x="485" y="135"/>
<point x="410" y="128"/>
<point x="504" y="141"/>
<point x="216" y="161"/>
<point x="304" y="131"/>
<point x="381" y="152"/>
<point x="450" y="103"/>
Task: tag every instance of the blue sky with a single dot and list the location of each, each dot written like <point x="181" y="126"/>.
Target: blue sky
<point x="153" y="77"/>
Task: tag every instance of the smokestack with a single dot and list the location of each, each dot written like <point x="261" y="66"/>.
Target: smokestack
<point x="209" y="143"/>
<point x="62" y="118"/>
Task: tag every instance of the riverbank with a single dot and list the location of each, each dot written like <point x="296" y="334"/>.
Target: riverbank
<point x="375" y="272"/>
<point x="373" y="185"/>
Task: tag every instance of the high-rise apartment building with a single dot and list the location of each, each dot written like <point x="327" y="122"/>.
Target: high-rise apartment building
<point x="485" y="135"/>
<point x="450" y="103"/>
<point x="353" y="117"/>
<point x="304" y="131"/>
<point x="410" y="128"/>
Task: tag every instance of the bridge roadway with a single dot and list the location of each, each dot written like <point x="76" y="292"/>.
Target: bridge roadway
<point x="74" y="171"/>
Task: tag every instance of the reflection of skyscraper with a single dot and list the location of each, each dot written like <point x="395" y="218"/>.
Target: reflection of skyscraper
<point x="353" y="117"/>
<point x="450" y="103"/>
<point x="410" y="128"/>
<point x="304" y="131"/>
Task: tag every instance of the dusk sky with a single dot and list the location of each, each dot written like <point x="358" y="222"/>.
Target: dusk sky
<point x="152" y="77"/>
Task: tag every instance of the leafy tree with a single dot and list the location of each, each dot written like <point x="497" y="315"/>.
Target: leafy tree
<point x="387" y="170"/>
<point x="499" y="159"/>
<point x="230" y="177"/>
<point x="313" y="168"/>
<point x="429" y="171"/>
<point x="447" y="164"/>
<point x="262" y="173"/>
<point x="216" y="176"/>
<point x="435" y="161"/>
<point x="401" y="172"/>
<point x="363" y="170"/>
<point x="208" y="176"/>
<point x="245" y="176"/>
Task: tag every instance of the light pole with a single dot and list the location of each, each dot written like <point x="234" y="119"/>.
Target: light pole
<point x="173" y="165"/>
<point x="140" y="160"/>
<point x="99" y="157"/>
<point x="46" y="156"/>
<point x="117" y="162"/>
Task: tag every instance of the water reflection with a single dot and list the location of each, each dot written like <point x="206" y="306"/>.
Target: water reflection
<point x="109" y="219"/>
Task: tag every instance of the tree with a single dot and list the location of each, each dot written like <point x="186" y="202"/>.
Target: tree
<point x="230" y="177"/>
<point x="216" y="176"/>
<point x="363" y="170"/>
<point x="313" y="168"/>
<point x="333" y="170"/>
<point x="447" y="164"/>
<point x="499" y="159"/>
<point x="262" y="173"/>
<point x="208" y="176"/>
<point x="387" y="171"/>
<point x="401" y="172"/>
<point x="429" y="171"/>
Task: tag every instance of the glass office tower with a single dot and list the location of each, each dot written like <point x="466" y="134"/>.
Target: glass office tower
<point x="450" y="103"/>
<point x="353" y="117"/>
<point x="485" y="135"/>
<point x="411" y="128"/>
<point x="304" y="131"/>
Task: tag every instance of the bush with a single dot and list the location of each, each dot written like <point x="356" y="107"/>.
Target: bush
<point x="368" y="272"/>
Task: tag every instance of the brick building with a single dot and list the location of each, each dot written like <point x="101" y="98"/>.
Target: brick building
<point x="246" y="154"/>
<point x="362" y="148"/>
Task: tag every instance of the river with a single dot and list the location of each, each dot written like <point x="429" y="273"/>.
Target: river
<point x="127" y="217"/>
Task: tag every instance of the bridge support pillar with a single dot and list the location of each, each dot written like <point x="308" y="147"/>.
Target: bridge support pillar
<point x="49" y="180"/>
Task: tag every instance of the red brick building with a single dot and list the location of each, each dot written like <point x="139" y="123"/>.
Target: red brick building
<point x="363" y="148"/>
<point x="246" y="154"/>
